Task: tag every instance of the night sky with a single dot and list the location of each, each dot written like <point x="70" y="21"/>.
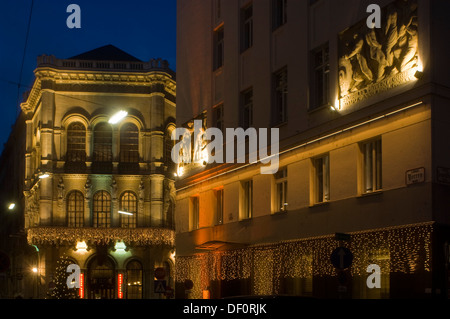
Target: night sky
<point x="143" y="28"/>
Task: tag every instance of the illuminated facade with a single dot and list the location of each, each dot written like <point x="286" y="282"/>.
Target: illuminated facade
<point x="363" y="160"/>
<point x="101" y="192"/>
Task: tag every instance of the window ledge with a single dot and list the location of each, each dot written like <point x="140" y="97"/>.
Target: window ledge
<point x="378" y="192"/>
<point x="282" y="212"/>
<point x="320" y="204"/>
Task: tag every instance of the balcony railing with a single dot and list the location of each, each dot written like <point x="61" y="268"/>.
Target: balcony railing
<point x="48" y="235"/>
<point x="152" y="65"/>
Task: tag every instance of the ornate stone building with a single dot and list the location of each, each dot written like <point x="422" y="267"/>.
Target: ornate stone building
<point x="101" y="192"/>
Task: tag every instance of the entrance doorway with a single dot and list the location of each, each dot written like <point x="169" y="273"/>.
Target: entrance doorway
<point x="101" y="279"/>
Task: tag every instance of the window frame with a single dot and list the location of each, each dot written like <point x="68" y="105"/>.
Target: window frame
<point x="219" y="47"/>
<point x="375" y="169"/>
<point x="281" y="189"/>
<point x="129" y="151"/>
<point x="246" y="114"/>
<point x="320" y="94"/>
<point x="279" y="13"/>
<point x="246" y="205"/>
<point x="321" y="179"/>
<point x="102" y="148"/>
<point x="102" y="209"/>
<point x="76" y="154"/>
<point x="195" y="212"/>
<point x="128" y="221"/>
<point x="75" y="218"/>
<point x="280" y="96"/>
<point x="219" y="206"/>
<point x="246" y="27"/>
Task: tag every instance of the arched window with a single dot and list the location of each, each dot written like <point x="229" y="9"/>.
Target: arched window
<point x="129" y="143"/>
<point x="102" y="143"/>
<point x="128" y="204"/>
<point x="101" y="209"/>
<point x="76" y="143"/>
<point x="134" y="280"/>
<point x="75" y="209"/>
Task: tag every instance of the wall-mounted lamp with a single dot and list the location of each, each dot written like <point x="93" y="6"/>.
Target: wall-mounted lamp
<point x="81" y="247"/>
<point x="120" y="247"/>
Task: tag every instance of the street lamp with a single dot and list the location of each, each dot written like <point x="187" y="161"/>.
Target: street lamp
<point x="119" y="116"/>
<point x="11" y="206"/>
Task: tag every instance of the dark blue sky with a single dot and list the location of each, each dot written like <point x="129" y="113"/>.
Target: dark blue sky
<point x="143" y="28"/>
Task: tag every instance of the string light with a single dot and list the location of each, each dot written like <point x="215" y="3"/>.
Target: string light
<point x="401" y="249"/>
<point x="70" y="236"/>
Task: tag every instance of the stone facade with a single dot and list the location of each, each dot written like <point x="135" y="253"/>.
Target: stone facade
<point x="96" y="169"/>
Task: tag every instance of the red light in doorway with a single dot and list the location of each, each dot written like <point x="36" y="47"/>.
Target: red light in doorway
<point x="119" y="286"/>
<point x="81" y="292"/>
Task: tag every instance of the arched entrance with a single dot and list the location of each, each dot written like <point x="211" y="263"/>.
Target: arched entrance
<point x="101" y="279"/>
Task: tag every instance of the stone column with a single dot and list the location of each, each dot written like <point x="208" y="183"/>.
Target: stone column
<point x="157" y="198"/>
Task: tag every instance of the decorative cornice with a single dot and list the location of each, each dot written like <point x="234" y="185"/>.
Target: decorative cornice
<point x="149" y="79"/>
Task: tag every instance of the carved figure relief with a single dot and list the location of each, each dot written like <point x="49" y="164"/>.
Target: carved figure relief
<point x="88" y="189"/>
<point x="375" y="60"/>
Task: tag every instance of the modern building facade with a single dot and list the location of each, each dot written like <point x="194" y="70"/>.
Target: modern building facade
<point x="98" y="192"/>
<point x="362" y="114"/>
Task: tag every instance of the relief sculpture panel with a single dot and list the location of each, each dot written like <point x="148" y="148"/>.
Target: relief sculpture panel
<point x="374" y="60"/>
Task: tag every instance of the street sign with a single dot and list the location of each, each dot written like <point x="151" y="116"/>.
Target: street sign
<point x="415" y="176"/>
<point x="4" y="262"/>
<point x="342" y="258"/>
<point x="443" y="175"/>
<point x="160" y="286"/>
<point x="160" y="273"/>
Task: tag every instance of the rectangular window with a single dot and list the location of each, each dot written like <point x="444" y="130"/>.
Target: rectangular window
<point x="247" y="200"/>
<point x="195" y="213"/>
<point x="280" y="89"/>
<point x="219" y="48"/>
<point x="246" y="27"/>
<point x="372" y="166"/>
<point x="281" y="186"/>
<point x="279" y="13"/>
<point x="321" y="179"/>
<point x="320" y="90"/>
<point x="218" y="118"/>
<point x="247" y="109"/>
<point x="219" y="206"/>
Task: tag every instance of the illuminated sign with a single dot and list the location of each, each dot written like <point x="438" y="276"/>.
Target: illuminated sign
<point x="81" y="292"/>
<point x="119" y="286"/>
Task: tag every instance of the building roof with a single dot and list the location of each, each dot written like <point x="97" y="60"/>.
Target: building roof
<point x="106" y="53"/>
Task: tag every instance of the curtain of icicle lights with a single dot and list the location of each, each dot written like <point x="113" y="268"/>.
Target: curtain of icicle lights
<point x="405" y="249"/>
